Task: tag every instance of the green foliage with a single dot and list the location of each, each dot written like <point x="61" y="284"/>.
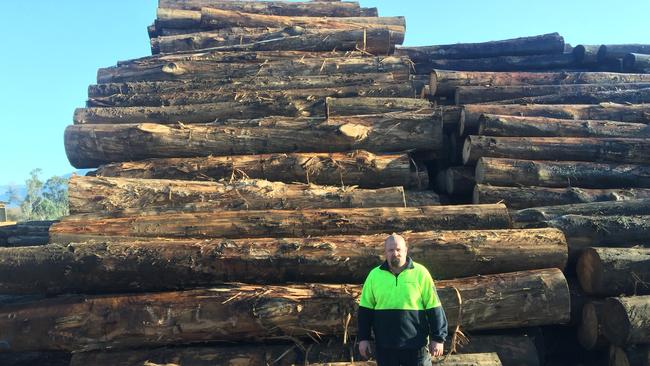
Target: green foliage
<point x="43" y="200"/>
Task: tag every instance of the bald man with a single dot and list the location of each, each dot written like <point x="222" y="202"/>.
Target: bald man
<point x="400" y="304"/>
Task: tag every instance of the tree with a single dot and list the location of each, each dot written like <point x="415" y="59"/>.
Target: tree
<point x="43" y="200"/>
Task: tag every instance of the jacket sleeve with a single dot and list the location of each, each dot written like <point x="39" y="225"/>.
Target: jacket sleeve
<point x="366" y="310"/>
<point x="433" y="308"/>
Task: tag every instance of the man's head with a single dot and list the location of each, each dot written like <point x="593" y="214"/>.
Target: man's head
<point x="395" y="251"/>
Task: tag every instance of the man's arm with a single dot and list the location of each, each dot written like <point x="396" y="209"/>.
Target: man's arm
<point x="366" y="310"/>
<point x="435" y="313"/>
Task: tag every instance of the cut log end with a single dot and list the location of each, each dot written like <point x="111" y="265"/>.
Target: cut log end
<point x="590" y="271"/>
<point x="616" y="323"/>
<point x="467" y="149"/>
<point x="433" y="83"/>
<point x="589" y="331"/>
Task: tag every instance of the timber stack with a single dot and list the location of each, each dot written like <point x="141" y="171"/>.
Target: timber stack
<point x="248" y="171"/>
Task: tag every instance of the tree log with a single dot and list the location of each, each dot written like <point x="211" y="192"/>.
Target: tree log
<point x="529" y="196"/>
<point x="308" y="8"/>
<point x="459" y="180"/>
<point x="625" y="320"/>
<point x="90" y="145"/>
<point x="468" y="359"/>
<point x="620" y="50"/>
<point x="141" y="264"/>
<point x="560" y="174"/>
<point x="283" y="223"/>
<point x="35" y="358"/>
<point x="636" y="62"/>
<point x="513" y="126"/>
<point x="635" y="96"/>
<point x="359" y="168"/>
<point x="499" y="93"/>
<point x="635" y="355"/>
<point x="254" y="64"/>
<point x="501" y="63"/>
<point x="470" y="114"/>
<point x="619" y="150"/>
<point x="590" y="335"/>
<point x="615" y="271"/>
<point x="585" y="54"/>
<point x="610" y="208"/>
<point x="337" y="107"/>
<point x="377" y="41"/>
<point x="83" y="323"/>
<point x="100" y="194"/>
<point x="445" y="82"/>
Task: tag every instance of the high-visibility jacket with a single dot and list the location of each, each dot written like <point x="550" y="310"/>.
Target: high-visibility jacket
<point x="403" y="309"/>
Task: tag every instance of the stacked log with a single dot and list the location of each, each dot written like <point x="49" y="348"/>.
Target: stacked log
<point x="25" y="233"/>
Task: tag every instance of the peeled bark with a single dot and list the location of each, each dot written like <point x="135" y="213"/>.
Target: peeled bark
<point x="545" y="62"/>
<point x="445" y="82"/>
<point x="359" y="168"/>
<point x="140" y="264"/>
<point x="362" y="105"/>
<point x="619" y="150"/>
<point x="611" y="208"/>
<point x="254" y="64"/>
<point x="248" y="312"/>
<point x="636" y="62"/>
<point x="513" y="126"/>
<point x="607" y="51"/>
<point x="282" y="223"/>
<point x="90" y="145"/>
<point x="615" y="271"/>
<point x="309" y="8"/>
<point x="514" y="172"/>
<point x="635" y="96"/>
<point x="102" y="194"/>
<point x="590" y="333"/>
<point x="459" y="180"/>
<point x="491" y="93"/>
<point x="626" y="320"/>
<point x="635" y="355"/>
<point x="529" y="196"/>
<point x="469" y="119"/>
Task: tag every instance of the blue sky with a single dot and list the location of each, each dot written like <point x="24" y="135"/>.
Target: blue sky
<point x="51" y="51"/>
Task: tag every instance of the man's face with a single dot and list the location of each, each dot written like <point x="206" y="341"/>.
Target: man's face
<point x="395" y="251"/>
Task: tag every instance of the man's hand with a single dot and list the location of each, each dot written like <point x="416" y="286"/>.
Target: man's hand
<point x="436" y="349"/>
<point x="364" y="349"/>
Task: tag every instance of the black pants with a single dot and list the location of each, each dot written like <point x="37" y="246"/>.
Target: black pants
<point x="403" y="357"/>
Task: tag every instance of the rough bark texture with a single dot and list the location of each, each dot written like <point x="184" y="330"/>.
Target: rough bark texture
<point x="486" y="94"/>
<point x="309" y="8"/>
<point x="359" y="168"/>
<point x="556" y="61"/>
<point x="590" y="333"/>
<point x="530" y="196"/>
<point x="612" y="208"/>
<point x="472" y="359"/>
<point x="607" y="51"/>
<point x="636" y="62"/>
<point x="619" y="150"/>
<point x="615" y="271"/>
<point x="635" y="355"/>
<point x="635" y="96"/>
<point x="103" y="194"/>
<point x="445" y="82"/>
<point x="607" y="111"/>
<point x="140" y="264"/>
<point x="626" y="320"/>
<point x="368" y="105"/>
<point x="513" y="126"/>
<point x="89" y="146"/>
<point x="224" y="314"/>
<point x="560" y="174"/>
<point x="283" y="223"/>
<point x="459" y="180"/>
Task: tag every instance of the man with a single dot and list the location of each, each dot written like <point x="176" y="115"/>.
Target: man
<point x="399" y="302"/>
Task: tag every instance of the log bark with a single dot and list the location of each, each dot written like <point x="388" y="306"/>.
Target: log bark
<point x="611" y="208"/>
<point x="619" y="150"/>
<point x="635" y="96"/>
<point x="103" y="194"/>
<point x="626" y="320"/>
<point x="530" y="196"/>
<point x="538" y="63"/>
<point x="337" y="107"/>
<point x="83" y="323"/>
<point x="543" y="44"/>
<point x="608" y="51"/>
<point x="459" y="180"/>
<point x="513" y="126"/>
<point x="471" y="359"/>
<point x="445" y="82"/>
<point x="359" y="168"/>
<point x="590" y="335"/>
<point x="615" y="112"/>
<point x="561" y="174"/>
<point x="105" y="265"/>
<point x="635" y="355"/>
<point x="254" y="64"/>
<point x="491" y="93"/>
<point x="282" y="223"/>
<point x="308" y="8"/>
<point x="90" y="145"/>
<point x="615" y="271"/>
<point x="636" y="62"/>
<point x="585" y="54"/>
<point x="375" y="41"/>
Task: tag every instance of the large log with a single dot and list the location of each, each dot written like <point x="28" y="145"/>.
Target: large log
<point x="445" y="82"/>
<point x="254" y="64"/>
<point x="615" y="271"/>
<point x="585" y="54"/>
<point x="283" y="223"/>
<point x="619" y="150"/>
<point x="634" y="96"/>
<point x="634" y="355"/>
<point x="610" y="208"/>
<point x="519" y="197"/>
<point x="615" y="112"/>
<point x="590" y="334"/>
<point x="620" y="50"/>
<point x="513" y="126"/>
<point x="248" y="312"/>
<point x="90" y="145"/>
<point x="359" y="168"/>
<point x="636" y="62"/>
<point x="560" y="174"/>
<point x="459" y="180"/>
<point x="377" y="41"/>
<point x="472" y="359"/>
<point x="498" y="93"/>
<point x="103" y="194"/>
<point x="141" y="264"/>
<point x="626" y="321"/>
<point x="365" y="105"/>
<point x="308" y="8"/>
<point x="500" y="64"/>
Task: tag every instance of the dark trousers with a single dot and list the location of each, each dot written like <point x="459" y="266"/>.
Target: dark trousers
<point x="403" y="357"/>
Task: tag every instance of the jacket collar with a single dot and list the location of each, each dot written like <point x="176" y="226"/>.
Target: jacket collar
<point x="409" y="265"/>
